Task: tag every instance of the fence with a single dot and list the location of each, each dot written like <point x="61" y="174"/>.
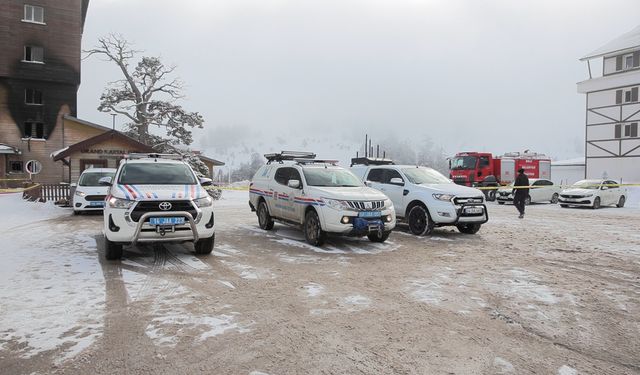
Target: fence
<point x="48" y="192"/>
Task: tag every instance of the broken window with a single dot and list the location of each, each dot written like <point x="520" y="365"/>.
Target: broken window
<point x="33" y="54"/>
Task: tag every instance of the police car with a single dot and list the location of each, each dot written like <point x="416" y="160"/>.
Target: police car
<point x="157" y="198"/>
<point x="423" y="197"/>
<point x="296" y="188"/>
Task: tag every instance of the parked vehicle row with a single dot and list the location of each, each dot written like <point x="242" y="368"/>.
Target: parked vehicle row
<point x="153" y="198"/>
<point x="584" y="193"/>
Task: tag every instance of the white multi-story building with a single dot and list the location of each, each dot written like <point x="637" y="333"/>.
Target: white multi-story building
<point x="612" y="148"/>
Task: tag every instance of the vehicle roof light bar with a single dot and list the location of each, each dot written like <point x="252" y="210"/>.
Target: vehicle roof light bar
<point x="315" y="161"/>
<point x="288" y="155"/>
<point x="371" y="161"/>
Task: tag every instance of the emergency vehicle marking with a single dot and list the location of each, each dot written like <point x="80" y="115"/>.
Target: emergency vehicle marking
<point x="311" y="201"/>
<point x="262" y="193"/>
<point x="126" y="194"/>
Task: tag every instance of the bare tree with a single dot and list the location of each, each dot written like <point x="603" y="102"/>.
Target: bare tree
<point x="146" y="96"/>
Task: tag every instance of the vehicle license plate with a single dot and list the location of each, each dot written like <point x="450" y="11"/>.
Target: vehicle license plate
<point x="166" y="220"/>
<point x="473" y="210"/>
<point x="96" y="204"/>
<point x="369" y="214"/>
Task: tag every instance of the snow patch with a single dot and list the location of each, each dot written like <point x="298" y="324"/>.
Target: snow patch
<point x="566" y="370"/>
<point x="313" y="289"/>
<point x="503" y="365"/>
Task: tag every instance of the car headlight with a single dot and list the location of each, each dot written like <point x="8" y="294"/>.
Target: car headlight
<point x="80" y="193"/>
<point x="443" y="197"/>
<point x="388" y="203"/>
<point x="588" y="195"/>
<point x="120" y="203"/>
<point x="337" y="204"/>
<point x="203" y="202"/>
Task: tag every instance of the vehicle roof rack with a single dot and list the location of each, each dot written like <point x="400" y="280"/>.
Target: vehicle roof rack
<point x="315" y="161"/>
<point x="371" y="161"/>
<point x="153" y="155"/>
<point x="288" y="155"/>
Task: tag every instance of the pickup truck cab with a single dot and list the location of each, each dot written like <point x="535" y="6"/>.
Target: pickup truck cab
<point x="157" y="198"/>
<point x="423" y="197"/>
<point x="319" y="196"/>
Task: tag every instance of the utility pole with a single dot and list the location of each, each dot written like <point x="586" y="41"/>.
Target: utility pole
<point x="114" y="120"/>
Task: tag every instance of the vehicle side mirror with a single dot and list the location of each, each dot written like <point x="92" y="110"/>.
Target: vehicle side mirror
<point x="294" y="184"/>
<point x="105" y="181"/>
<point x="204" y="181"/>
<point x="396" y="181"/>
<point x="604" y="188"/>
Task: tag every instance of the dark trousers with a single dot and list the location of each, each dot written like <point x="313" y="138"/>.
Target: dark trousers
<point x="518" y="201"/>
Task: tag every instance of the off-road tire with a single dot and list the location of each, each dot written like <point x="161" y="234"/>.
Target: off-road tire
<point x="376" y="237"/>
<point x="112" y="250"/>
<point x="554" y="198"/>
<point x="491" y="195"/>
<point x="469" y="228"/>
<point x="265" y="221"/>
<point x="621" y="201"/>
<point x="596" y="203"/>
<point x="204" y="246"/>
<point x="419" y="220"/>
<point x="313" y="232"/>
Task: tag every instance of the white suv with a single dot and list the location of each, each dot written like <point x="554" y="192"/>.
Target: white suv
<point x="295" y="188"/>
<point x="423" y="197"/>
<point x="157" y="198"/>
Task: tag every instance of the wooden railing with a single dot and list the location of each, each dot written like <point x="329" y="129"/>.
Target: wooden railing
<point x="49" y="192"/>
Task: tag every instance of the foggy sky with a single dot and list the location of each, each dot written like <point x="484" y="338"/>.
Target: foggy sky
<point x="471" y="75"/>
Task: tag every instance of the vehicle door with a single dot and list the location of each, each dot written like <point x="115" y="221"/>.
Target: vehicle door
<point x="393" y="186"/>
<point x="282" y="200"/>
<point x="538" y="192"/>
<point x="375" y="179"/>
<point x="291" y="210"/>
<point x="613" y="191"/>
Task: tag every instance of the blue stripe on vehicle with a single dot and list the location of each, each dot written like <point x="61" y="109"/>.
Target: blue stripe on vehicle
<point x="186" y="191"/>
<point x="155" y="195"/>
<point x="126" y="193"/>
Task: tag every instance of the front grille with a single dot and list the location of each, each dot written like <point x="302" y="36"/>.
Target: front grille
<point x="366" y="205"/>
<point x="467" y="200"/>
<point x="95" y="197"/>
<point x="152" y="206"/>
<point x="571" y="196"/>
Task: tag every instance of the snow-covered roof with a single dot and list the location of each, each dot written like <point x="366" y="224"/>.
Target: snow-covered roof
<point x="55" y="153"/>
<point x="568" y="162"/>
<point x="624" y="42"/>
<point x="6" y="149"/>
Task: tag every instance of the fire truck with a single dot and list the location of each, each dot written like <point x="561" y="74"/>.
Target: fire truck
<point x="482" y="169"/>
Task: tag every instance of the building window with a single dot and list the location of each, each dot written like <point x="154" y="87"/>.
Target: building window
<point x="627" y="61"/>
<point x="34" y="54"/>
<point x="32" y="96"/>
<point x="15" y="166"/>
<point x="33" y="14"/>
<point x="34" y="130"/>
<point x="626" y="130"/>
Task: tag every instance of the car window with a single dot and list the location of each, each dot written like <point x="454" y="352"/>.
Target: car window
<point x="375" y="175"/>
<point x="295" y="175"/>
<point x="484" y="161"/>
<point x="156" y="174"/>
<point x="331" y="177"/>
<point x="425" y="176"/>
<point x="93" y="178"/>
<point x="283" y="175"/>
<point x="611" y="184"/>
<point x="389" y="174"/>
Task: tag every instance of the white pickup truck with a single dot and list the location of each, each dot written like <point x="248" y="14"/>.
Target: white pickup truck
<point x="423" y="197"/>
<point x="157" y="198"/>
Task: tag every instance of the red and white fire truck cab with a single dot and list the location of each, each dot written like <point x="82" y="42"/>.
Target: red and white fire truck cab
<point x="482" y="169"/>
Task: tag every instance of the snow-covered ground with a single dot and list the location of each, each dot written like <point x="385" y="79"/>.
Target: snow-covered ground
<point x="556" y="292"/>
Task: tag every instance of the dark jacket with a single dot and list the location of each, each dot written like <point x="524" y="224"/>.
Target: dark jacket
<point x="521" y="180"/>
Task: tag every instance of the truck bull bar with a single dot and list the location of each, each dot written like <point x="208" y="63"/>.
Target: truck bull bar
<point x="145" y="216"/>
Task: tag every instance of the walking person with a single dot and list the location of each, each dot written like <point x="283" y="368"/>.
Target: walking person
<point x="520" y="192"/>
